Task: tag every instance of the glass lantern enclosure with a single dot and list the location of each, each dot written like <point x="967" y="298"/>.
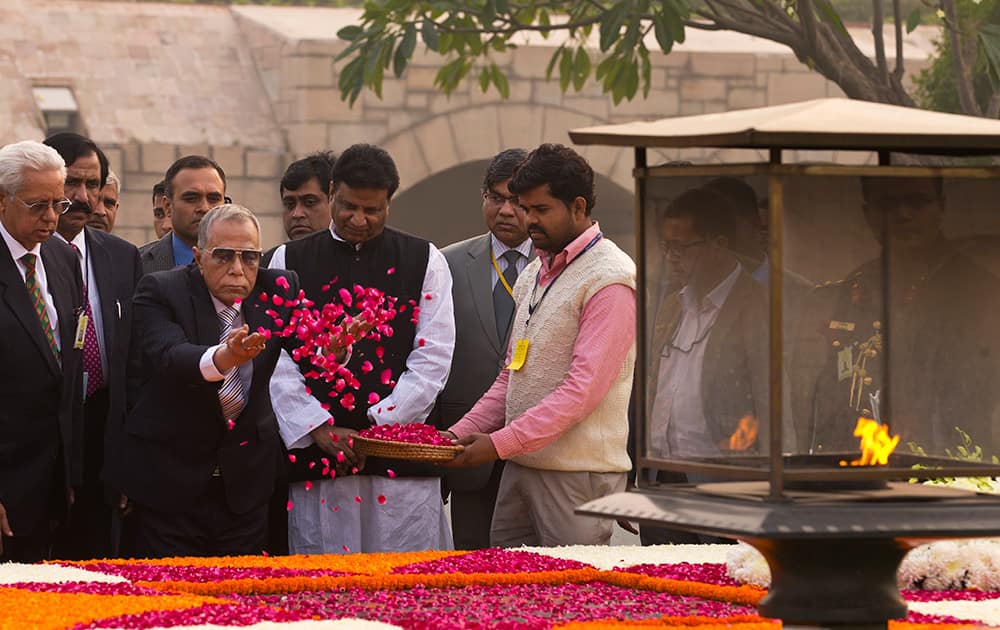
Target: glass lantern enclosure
<point x="798" y="322"/>
<point x="876" y="291"/>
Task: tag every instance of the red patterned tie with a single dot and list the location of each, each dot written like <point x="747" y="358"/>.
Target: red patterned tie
<point x="91" y="351"/>
<point x="31" y="283"/>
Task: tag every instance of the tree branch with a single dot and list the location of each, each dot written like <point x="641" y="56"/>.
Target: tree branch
<point x="878" y="21"/>
<point x="808" y="20"/>
<point x="897" y="19"/>
<point x="963" y="80"/>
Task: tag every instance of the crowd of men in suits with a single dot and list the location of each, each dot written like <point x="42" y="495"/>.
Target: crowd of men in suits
<point x="142" y="412"/>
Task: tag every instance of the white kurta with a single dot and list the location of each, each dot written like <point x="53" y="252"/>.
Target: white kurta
<point x="327" y="518"/>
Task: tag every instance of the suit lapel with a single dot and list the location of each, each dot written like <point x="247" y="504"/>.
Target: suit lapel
<point x="478" y="272"/>
<point x="205" y="317"/>
<point x="66" y="299"/>
<point x="101" y="261"/>
<point x="728" y="317"/>
<point x="15" y="295"/>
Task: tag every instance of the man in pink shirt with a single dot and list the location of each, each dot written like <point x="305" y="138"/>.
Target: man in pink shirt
<point x="558" y="413"/>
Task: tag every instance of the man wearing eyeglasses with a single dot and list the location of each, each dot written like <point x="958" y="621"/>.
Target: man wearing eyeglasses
<point x="110" y="269"/>
<point x="708" y="359"/>
<point x="41" y="408"/>
<point x="199" y="448"/>
<point x="359" y="249"/>
<point x="484" y="269"/>
<point x="193" y="185"/>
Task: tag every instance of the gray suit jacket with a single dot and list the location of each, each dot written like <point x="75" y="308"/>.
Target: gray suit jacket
<point x="479" y="352"/>
<point x="157" y="255"/>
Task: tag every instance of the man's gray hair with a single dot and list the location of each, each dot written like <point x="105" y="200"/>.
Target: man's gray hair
<point x="225" y="212"/>
<point x="113" y="179"/>
<point x="26" y="155"/>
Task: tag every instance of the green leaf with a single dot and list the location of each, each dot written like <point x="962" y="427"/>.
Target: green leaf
<point x="552" y="61"/>
<point x="661" y="29"/>
<point x="484" y="80"/>
<point x="676" y="11"/>
<point x="429" y="33"/>
<point x="503" y="6"/>
<point x="989" y="39"/>
<point x="913" y="20"/>
<point x="565" y="69"/>
<point x="500" y="81"/>
<point x="543" y="20"/>
<point x="405" y="50"/>
<point x="350" y="33"/>
<point x="488" y="14"/>
<point x="581" y="68"/>
<point x="611" y="24"/>
<point x="647" y="71"/>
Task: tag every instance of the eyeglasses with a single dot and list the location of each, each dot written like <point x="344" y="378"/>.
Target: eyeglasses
<point x="677" y="247"/>
<point x="497" y="199"/>
<point x="39" y="208"/>
<point x="225" y="256"/>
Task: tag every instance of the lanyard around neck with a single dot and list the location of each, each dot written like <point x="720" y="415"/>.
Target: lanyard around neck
<point x="503" y="280"/>
<point x="532" y="304"/>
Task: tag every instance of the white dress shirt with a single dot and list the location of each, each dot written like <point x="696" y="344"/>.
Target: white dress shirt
<point x="678" y="424"/>
<point x="93" y="293"/>
<point x="327" y="518"/>
<point x="17" y="251"/>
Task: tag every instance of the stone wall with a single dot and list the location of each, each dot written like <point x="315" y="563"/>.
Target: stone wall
<point x="255" y="87"/>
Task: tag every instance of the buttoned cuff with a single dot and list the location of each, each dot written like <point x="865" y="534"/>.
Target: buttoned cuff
<point x="207" y="365"/>
<point x="506" y="443"/>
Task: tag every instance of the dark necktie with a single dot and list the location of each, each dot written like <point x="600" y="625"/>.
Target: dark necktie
<point x="31" y="283"/>
<point x="503" y="303"/>
<point x="91" y="351"/>
<point x="231" y="392"/>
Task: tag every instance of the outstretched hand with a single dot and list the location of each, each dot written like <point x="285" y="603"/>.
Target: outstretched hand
<point x="4" y="526"/>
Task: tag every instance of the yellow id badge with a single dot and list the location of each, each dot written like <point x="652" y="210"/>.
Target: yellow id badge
<point x="519" y="356"/>
<point x="81" y="332"/>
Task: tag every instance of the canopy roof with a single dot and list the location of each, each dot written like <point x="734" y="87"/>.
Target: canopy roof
<point x="829" y="123"/>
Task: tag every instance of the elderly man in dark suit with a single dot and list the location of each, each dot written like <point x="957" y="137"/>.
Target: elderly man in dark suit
<point x="110" y="269"/>
<point x="40" y="376"/>
<point x="193" y="185"/>
<point x="200" y="442"/>
<point x="483" y="270"/>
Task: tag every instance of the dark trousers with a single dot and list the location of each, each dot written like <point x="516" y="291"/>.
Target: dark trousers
<point x="87" y="532"/>
<point x="277" y="518"/>
<point x="207" y="528"/>
<point x="472" y="513"/>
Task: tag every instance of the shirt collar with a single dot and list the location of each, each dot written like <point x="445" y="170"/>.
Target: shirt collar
<point x="717" y="296"/>
<point x="219" y="306"/>
<point x="16" y="249"/>
<point x="79" y="241"/>
<point x="499" y="249"/>
<point x="574" y="249"/>
<point x="183" y="255"/>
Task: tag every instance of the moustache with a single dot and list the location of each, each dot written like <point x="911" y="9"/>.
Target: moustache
<point x="80" y="206"/>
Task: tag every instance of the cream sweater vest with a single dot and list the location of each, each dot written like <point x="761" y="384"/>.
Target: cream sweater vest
<point x="598" y="442"/>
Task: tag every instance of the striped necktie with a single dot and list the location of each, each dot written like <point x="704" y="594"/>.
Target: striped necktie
<point x="31" y="283"/>
<point x="231" y="396"/>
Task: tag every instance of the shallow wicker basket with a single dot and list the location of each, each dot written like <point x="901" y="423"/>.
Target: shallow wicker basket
<point x="405" y="450"/>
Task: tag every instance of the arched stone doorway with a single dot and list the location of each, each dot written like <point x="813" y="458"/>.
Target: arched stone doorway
<point x="447" y="207"/>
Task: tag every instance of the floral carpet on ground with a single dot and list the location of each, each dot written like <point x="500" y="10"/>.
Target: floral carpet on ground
<point x="686" y="586"/>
